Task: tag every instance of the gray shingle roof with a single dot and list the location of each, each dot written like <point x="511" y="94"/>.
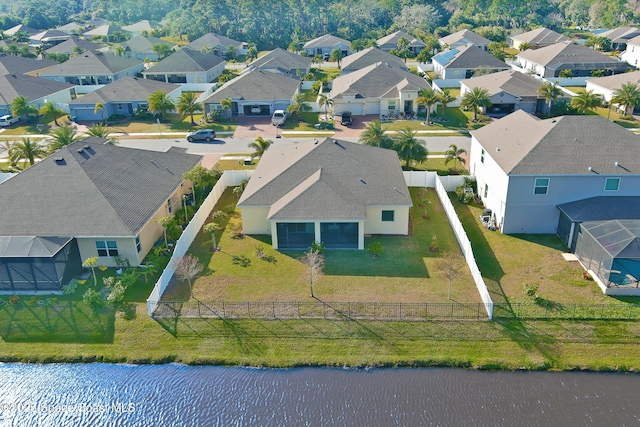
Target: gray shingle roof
<point x="11" y="31"/>
<point x="102" y="191"/>
<point x="510" y="81"/>
<point x="562" y="53"/>
<point x="144" y="43"/>
<point x="540" y="37"/>
<point x="49" y="35"/>
<point x="283" y="61"/>
<point x="617" y="80"/>
<point x="620" y="34"/>
<point x="103" y="31"/>
<point x="468" y="57"/>
<point x="602" y="208"/>
<point x="392" y="39"/>
<point x="326" y="40"/>
<point x="212" y="40"/>
<point x="126" y="89"/>
<point x="366" y="57"/>
<point x="525" y="145"/>
<point x="71" y="27"/>
<point x="464" y="36"/>
<point x="68" y="45"/>
<point x="31" y="246"/>
<point x="12" y="64"/>
<point x="256" y="85"/>
<point x="375" y="81"/>
<point x="326" y="180"/>
<point x="15" y="85"/>
<point x="91" y="62"/>
<point x="185" y="60"/>
<point x="144" y="25"/>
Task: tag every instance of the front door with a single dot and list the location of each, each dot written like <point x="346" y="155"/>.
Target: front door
<point x="408" y="107"/>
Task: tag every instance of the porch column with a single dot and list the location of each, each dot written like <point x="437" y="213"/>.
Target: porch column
<point x="571" y="231"/>
<point x="274" y="235"/>
<point x="361" y="234"/>
<point x="317" y="232"/>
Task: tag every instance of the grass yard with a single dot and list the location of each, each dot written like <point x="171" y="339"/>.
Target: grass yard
<point x="24" y="127"/>
<point x="456" y="119"/>
<point x="173" y="123"/>
<point x="305" y="123"/>
<point x="404" y="273"/>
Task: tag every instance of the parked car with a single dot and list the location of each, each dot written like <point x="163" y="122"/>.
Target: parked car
<point x="326" y="57"/>
<point x="202" y="135"/>
<point x="279" y="117"/>
<point x="8" y="120"/>
<point x="256" y="109"/>
<point x="345" y="119"/>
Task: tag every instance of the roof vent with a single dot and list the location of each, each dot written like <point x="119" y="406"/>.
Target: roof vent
<point x="617" y="164"/>
<point x="315" y="142"/>
<point x="497" y="149"/>
<point x="86" y="147"/>
<point x="154" y="163"/>
<point x="362" y="181"/>
<point x="81" y="150"/>
<point x="592" y="170"/>
<point x="59" y="160"/>
<point x="335" y="141"/>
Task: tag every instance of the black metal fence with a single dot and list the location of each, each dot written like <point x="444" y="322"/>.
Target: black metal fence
<point x="557" y="311"/>
<point x="321" y="310"/>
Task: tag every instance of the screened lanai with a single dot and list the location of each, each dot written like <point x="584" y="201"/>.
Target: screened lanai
<point x="611" y="250"/>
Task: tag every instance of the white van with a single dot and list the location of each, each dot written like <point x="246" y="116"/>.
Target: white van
<point x="8" y="120"/>
<point x="279" y="117"/>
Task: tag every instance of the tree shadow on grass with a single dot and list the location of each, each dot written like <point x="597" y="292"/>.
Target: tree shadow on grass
<point x="63" y="322"/>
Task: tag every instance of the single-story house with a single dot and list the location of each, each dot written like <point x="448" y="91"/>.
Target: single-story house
<point x="72" y="28"/>
<point x="49" y="37"/>
<point x="527" y="167"/>
<point x="121" y="97"/>
<point x="13" y="64"/>
<point x="105" y="32"/>
<point x="70" y="46"/>
<point x="20" y="28"/>
<point x="377" y="89"/>
<point x="86" y="200"/>
<point x="93" y="68"/>
<point x="137" y="28"/>
<point x="255" y="93"/>
<point x="632" y="54"/>
<point x="606" y="86"/>
<point x="141" y="47"/>
<point x="464" y="37"/>
<point x="463" y="62"/>
<point x="323" y="45"/>
<point x="283" y="62"/>
<point x="509" y="90"/>
<point x="217" y="44"/>
<point x="38" y="91"/>
<point x="580" y="60"/>
<point x="331" y="191"/>
<point x="186" y="66"/>
<point x="620" y="36"/>
<point x="390" y="42"/>
<point x="540" y="37"/>
<point x="369" y="56"/>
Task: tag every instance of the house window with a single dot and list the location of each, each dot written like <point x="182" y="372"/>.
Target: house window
<point x="391" y="106"/>
<point x="169" y="207"/>
<point x="107" y="248"/>
<point x="486" y="190"/>
<point x="119" y="106"/>
<point x="387" y="216"/>
<point x="138" y="244"/>
<point x="612" y="184"/>
<point x="482" y="156"/>
<point x="541" y="186"/>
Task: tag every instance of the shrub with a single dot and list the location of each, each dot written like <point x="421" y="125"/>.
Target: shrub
<point x="531" y="290"/>
<point x="14" y="299"/>
<point x="94" y="298"/>
<point x="629" y="118"/>
<point x="71" y="287"/>
<point x="375" y="248"/>
<point x="316" y="87"/>
<point x="317" y="247"/>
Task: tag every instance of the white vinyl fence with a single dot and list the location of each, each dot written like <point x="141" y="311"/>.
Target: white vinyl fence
<point x="229" y="178"/>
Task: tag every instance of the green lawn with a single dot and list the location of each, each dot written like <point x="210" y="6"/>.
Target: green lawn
<point x="305" y="123"/>
<point x="173" y="123"/>
<point x="322" y="72"/>
<point x="31" y="127"/>
<point x="456" y="119"/>
<point x="310" y="95"/>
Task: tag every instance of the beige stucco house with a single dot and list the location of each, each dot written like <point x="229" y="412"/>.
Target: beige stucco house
<point x="330" y="191"/>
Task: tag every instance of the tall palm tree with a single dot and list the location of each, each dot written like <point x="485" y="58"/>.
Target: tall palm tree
<point x="454" y="153"/>
<point x="550" y="92"/>
<point x="428" y="98"/>
<point x="63" y="136"/>
<point x="162" y="49"/>
<point x="100" y="107"/>
<point x="100" y="130"/>
<point x="298" y="105"/>
<point x="252" y="52"/>
<point x="20" y="106"/>
<point x="336" y="56"/>
<point x="408" y="147"/>
<point x="260" y="145"/>
<point x="326" y="102"/>
<point x="160" y="102"/>
<point x="585" y="101"/>
<point x="188" y="104"/>
<point x="231" y="52"/>
<point x="26" y="150"/>
<point x="627" y="96"/>
<point x="119" y="50"/>
<point x="226" y="105"/>
<point x="445" y="98"/>
<point x="50" y="109"/>
<point x="375" y="135"/>
<point x="478" y="97"/>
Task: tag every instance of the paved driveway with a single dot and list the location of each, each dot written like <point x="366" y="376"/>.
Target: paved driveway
<point x="253" y="127"/>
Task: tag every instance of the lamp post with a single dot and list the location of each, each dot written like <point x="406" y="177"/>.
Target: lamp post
<point x="277" y="129"/>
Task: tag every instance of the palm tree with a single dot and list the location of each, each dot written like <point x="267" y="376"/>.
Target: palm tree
<point x="445" y="98"/>
<point x="160" y="102"/>
<point x="375" y="135"/>
<point x="119" y="50"/>
<point x="524" y="46"/>
<point x="27" y="150"/>
<point x="585" y="101"/>
<point x="162" y="49"/>
<point x="550" y="92"/>
<point x="252" y="52"/>
<point x="298" y="106"/>
<point x="627" y="96"/>
<point x="77" y="50"/>
<point x="100" y="107"/>
<point x="260" y="145"/>
<point x="100" y="130"/>
<point x="478" y="97"/>
<point x="454" y="153"/>
<point x="188" y="104"/>
<point x="408" y="147"/>
<point x="231" y="52"/>
<point x="51" y="109"/>
<point x="63" y="136"/>
<point x="226" y="105"/>
<point x="324" y="100"/>
<point x="20" y="106"/>
<point x="335" y="56"/>
<point x="428" y="98"/>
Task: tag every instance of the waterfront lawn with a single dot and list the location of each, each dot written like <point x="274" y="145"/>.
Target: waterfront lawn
<point x="403" y="273"/>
